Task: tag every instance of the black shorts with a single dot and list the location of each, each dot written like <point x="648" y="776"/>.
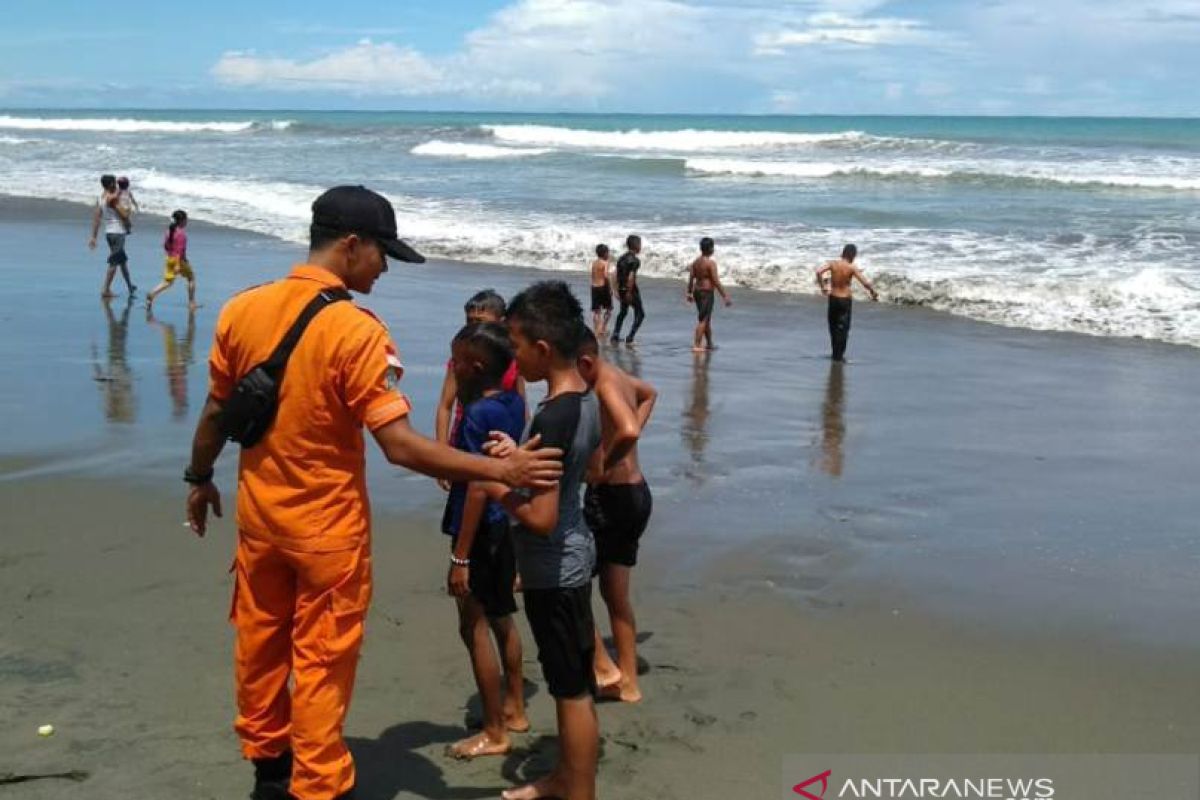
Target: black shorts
<point x="116" y="249"/>
<point x="704" y="304"/>
<point x="493" y="569"/>
<point x="561" y="621"/>
<point x="617" y="513"/>
<point x="601" y="298"/>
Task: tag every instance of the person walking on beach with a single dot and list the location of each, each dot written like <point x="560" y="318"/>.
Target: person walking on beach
<point x="627" y="289"/>
<point x="176" y="264"/>
<point x="617" y="507"/>
<point x="110" y="211"/>
<point x="302" y="574"/>
<point x="839" y="290"/>
<point x="602" y="296"/>
<point x="702" y="281"/>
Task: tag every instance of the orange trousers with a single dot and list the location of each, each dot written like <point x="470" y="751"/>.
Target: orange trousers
<point x="299" y="616"/>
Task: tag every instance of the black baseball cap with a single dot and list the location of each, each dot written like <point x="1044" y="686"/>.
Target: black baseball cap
<point x="356" y="209"/>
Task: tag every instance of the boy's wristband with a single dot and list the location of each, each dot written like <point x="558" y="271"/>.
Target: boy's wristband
<point x="459" y="562"/>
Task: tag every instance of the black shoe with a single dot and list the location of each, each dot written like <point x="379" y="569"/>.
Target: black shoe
<point x="271" y="777"/>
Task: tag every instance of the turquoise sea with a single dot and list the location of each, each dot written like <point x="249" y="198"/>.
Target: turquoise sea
<point x="1088" y="225"/>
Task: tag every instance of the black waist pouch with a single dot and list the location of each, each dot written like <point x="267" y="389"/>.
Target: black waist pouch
<point x="248" y="413"/>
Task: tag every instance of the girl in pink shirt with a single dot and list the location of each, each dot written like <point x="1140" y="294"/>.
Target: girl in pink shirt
<point x="175" y="245"/>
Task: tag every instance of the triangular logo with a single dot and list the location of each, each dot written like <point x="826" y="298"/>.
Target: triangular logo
<point x="802" y="788"/>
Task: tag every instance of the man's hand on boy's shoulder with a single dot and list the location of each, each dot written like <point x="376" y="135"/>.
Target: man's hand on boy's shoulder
<point x="532" y="466"/>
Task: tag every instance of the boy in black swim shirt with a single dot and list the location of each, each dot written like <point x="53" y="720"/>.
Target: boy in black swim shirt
<point x="617" y="507"/>
<point x="627" y="289"/>
<point x="555" y="551"/>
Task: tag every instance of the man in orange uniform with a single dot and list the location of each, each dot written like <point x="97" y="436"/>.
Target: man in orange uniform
<point x="303" y="567"/>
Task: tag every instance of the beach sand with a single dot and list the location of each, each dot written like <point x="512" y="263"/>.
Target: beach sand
<point x="972" y="539"/>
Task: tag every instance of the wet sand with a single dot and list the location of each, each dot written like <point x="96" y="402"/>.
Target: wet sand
<point x="970" y="539"/>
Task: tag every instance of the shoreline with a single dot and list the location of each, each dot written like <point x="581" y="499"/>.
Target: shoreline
<point x="34" y="208"/>
<point x="896" y="473"/>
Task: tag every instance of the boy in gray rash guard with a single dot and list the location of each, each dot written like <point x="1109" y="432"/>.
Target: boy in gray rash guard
<point x="554" y="547"/>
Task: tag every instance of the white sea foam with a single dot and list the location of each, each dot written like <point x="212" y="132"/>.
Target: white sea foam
<point x="1112" y="175"/>
<point x="804" y="169"/>
<point x="115" y="125"/>
<point x="444" y="149"/>
<point x="682" y="141"/>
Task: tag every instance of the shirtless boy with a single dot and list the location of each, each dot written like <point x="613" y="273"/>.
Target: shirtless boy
<point x="602" y="294"/>
<point x="839" y="290"/>
<point x="702" y="280"/>
<point x="617" y="507"/>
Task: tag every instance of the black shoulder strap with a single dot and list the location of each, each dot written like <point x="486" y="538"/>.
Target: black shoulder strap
<point x="275" y="364"/>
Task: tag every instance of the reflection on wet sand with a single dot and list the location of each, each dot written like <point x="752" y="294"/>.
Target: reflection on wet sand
<point x="694" y="429"/>
<point x="177" y="354"/>
<point x="114" y="377"/>
<point x="833" y="426"/>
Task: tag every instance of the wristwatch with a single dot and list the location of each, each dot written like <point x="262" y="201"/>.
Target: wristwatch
<point x="195" y="478"/>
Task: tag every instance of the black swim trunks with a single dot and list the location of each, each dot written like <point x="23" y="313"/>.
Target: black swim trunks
<point x="493" y="569"/>
<point x="704" y="304"/>
<point x="562" y="625"/>
<point x="602" y="298"/>
<point x="618" y="514"/>
<point x="838" y="316"/>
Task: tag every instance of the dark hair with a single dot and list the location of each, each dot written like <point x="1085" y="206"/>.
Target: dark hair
<point x="178" y="217"/>
<point x="707" y="245"/>
<point x="590" y="346"/>
<point x="489" y="340"/>
<point x="849" y="252"/>
<point x="123" y="182"/>
<point x="548" y="311"/>
<point x="109" y="182"/>
<point x="602" y="250"/>
<point x="633" y="241"/>
<point x="488" y="300"/>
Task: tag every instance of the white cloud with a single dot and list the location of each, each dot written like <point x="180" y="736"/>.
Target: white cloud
<point x="542" y="48"/>
<point x="365" y="66"/>
<point x="832" y="28"/>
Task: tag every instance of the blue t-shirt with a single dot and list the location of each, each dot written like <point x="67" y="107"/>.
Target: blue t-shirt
<point x="504" y="411"/>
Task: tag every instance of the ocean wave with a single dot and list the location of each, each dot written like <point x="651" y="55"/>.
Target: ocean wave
<point x="115" y="125"/>
<point x="1114" y="286"/>
<point x="1000" y="173"/>
<point x="444" y="149"/>
<point x="675" y="141"/>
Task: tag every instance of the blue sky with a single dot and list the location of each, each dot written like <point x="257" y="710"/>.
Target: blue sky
<point x="1067" y="57"/>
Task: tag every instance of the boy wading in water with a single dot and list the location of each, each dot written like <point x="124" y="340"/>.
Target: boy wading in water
<point x="702" y="281"/>
<point x="555" y="551"/>
<point x="627" y="289"/>
<point x="482" y="565"/>
<point x="617" y="507"/>
<point x="602" y="295"/>
<point x="839" y="290"/>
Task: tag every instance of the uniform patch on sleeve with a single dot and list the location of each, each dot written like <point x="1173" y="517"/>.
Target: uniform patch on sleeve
<point x="395" y="369"/>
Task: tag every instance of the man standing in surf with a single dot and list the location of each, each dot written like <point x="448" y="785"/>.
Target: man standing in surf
<point x="702" y="281"/>
<point x="839" y="290"/>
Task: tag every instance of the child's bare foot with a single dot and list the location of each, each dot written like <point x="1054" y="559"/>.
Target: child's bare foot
<point x="606" y="679"/>
<point x="108" y="295"/>
<point x="623" y="691"/>
<point x="699" y="349"/>
<point x="478" y="745"/>
<point x="549" y="786"/>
